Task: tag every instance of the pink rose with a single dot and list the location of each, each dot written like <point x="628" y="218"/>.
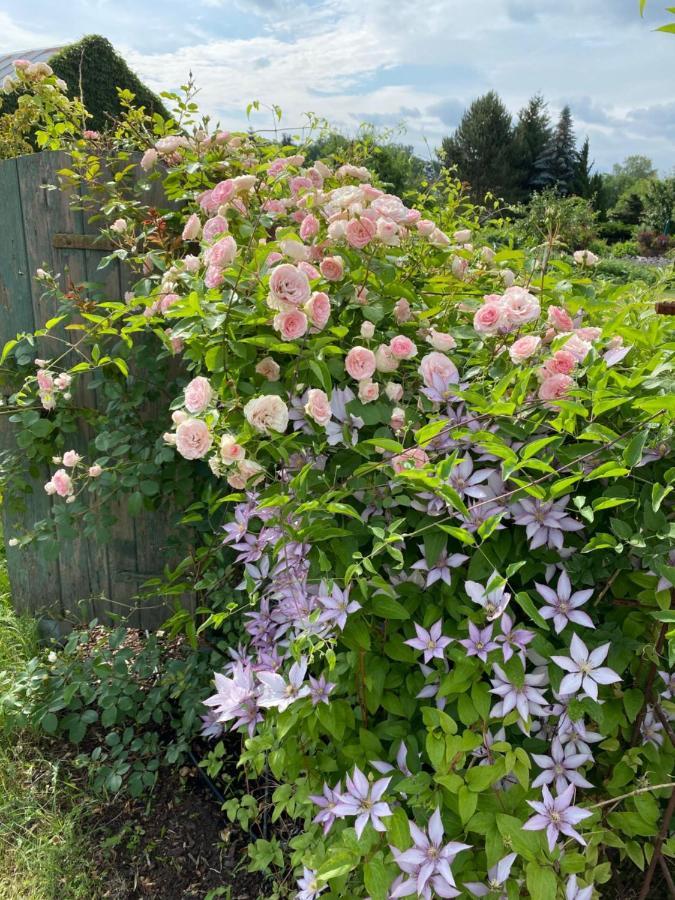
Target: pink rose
<point x="438" y="373"/>
<point x="288" y="287"/>
<point x="119" y="226"/>
<point x="192" y="263"/>
<point x="402" y="347"/>
<point x="385" y="361"/>
<point x="149" y="159"/>
<point x="394" y="391"/>
<point x="368" y="391"/>
<point x="577" y="347"/>
<point x="462" y="236"/>
<point x="588" y="333"/>
<point x="561" y="363"/>
<point x="291" y="324"/>
<point x="267" y="413"/>
<point x="295" y="250"/>
<point x="167" y="301"/>
<point x="44" y="380"/>
<point x="397" y="420"/>
<point x="178" y="416"/>
<point x="193" y="439"/>
<point x="222" y="192"/>
<point x="337" y="230"/>
<point x="412" y="458"/>
<point x="318" y="406"/>
<point x="426" y="227"/>
<point x="490" y="319"/>
<point x="560" y="319"/>
<point x="318" y="309"/>
<point x="520" y="306"/>
<point x="555" y="387"/>
<point x="367" y="330"/>
<point x="402" y="311"/>
<point x="62" y="483"/>
<point x="71" y="458"/>
<point x="198" y="395"/>
<point x="268" y="368"/>
<point x="360" y="232"/>
<point x="585" y="258"/>
<point x="192" y="228"/>
<point x="524" y="348"/>
<point x="332" y="268"/>
<point x="222" y="253"/>
<point x="213" y="227"/>
<point x="94" y="471"/>
<point x="309" y="227"/>
<point x="439" y="238"/>
<point x="230" y="450"/>
<point x="388" y="232"/>
<point x="441" y="341"/>
<point x="214" y="277"/>
<point x="308" y="269"/>
<point x="360" y="363"/>
<point x="248" y="469"/>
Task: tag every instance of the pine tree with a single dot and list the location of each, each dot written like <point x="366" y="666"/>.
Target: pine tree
<point x="557" y="164"/>
<point x="482" y="148"/>
<point x="531" y="135"/>
<point x="582" y="178"/>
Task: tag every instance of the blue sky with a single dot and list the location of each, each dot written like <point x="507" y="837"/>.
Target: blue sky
<point x="397" y="63"/>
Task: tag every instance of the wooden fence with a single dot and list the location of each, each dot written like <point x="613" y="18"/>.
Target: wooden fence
<point x="38" y="228"/>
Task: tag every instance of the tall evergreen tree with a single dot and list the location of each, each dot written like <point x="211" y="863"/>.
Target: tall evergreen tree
<point x="482" y="148"/>
<point x="557" y="164"/>
<point x="582" y="178"/>
<point x="532" y="133"/>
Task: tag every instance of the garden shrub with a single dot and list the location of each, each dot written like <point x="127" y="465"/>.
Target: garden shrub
<point x="652" y="243"/>
<point x="436" y="488"/>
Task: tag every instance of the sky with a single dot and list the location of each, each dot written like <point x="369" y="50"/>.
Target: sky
<point x="408" y="65"/>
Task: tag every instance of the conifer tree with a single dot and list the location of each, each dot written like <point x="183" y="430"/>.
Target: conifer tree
<point x="557" y="164"/>
<point x="532" y="133"/>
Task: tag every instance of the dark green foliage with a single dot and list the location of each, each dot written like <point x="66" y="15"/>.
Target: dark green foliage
<point x="629" y="209"/>
<point x="557" y="164"/>
<point x="582" y="178"/>
<point x="92" y="65"/>
<point x="615" y="231"/>
<point x="532" y="133"/>
<point x="482" y="148"/>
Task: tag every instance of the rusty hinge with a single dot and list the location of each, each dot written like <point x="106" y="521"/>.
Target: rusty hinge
<point x="82" y="242"/>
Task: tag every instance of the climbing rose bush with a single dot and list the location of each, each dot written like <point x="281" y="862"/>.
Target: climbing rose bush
<point x="433" y="479"/>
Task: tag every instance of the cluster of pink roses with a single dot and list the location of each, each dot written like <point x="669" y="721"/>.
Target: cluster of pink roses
<point x="50" y="385"/>
<point x="26" y="71"/>
<point x="61" y="483"/>
<point x="507" y="312"/>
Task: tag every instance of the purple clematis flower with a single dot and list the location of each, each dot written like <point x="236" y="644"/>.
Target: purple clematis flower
<point x="384" y="768"/>
<point x="586" y="669"/>
<point x="326" y="803"/>
<point x="468" y="483"/>
<point x="336" y="606"/>
<point x="561" y="766"/>
<point x="236" y="698"/>
<point x="431" y="642"/>
<point x="320" y="690"/>
<point x="562" y="604"/>
<point x="576" y="736"/>
<point x="308" y="885"/>
<point x="428" y="862"/>
<point x="527" y="697"/>
<point x="364" y="800"/>
<point x="574" y="892"/>
<point x="335" y="430"/>
<point x="544" y="521"/>
<point x="479" y="643"/>
<point x="492" y="597"/>
<point x="556" y="816"/>
<point x="651" y="729"/>
<point x="440" y="571"/>
<point x="497" y="876"/>
<point x="280" y="693"/>
<point x="513" y="639"/>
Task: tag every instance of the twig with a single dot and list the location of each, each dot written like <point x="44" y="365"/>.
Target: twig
<point x="658" y="843"/>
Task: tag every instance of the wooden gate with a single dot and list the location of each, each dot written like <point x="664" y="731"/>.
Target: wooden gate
<point x="38" y="228"/>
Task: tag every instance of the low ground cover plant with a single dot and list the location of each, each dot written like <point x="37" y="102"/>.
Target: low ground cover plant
<point x="431" y="485"/>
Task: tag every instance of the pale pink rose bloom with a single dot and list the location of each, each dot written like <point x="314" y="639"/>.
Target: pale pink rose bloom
<point x="555" y="387"/>
<point x="397" y="420"/>
<point x="198" y="395"/>
<point x="291" y="324"/>
<point x="524" y="348"/>
<point x="214" y="277"/>
<point x="520" y="306"/>
<point x="94" y="471"/>
<point x="508" y="276"/>
<point x="462" y="236"/>
<point x="167" y="301"/>
<point x="177" y="344"/>
<point x="230" y="450"/>
<point x="244" y="183"/>
<point x="402" y="347"/>
<point x="385" y="361"/>
<point x="62" y="382"/>
<point x="300" y="184"/>
<point x="426" y="227"/>
<point x="169" y="438"/>
<point x="248" y="469"/>
<point x="310" y="271"/>
<point x="577" y="347"/>
<point x="193" y="439"/>
<point x="315" y="176"/>
<point x="272" y="258"/>
<point x="309" y="227"/>
<point x="318" y="309"/>
<point x="402" y="311"/>
<point x="361" y="295"/>
<point x="459" y="266"/>
<point x="71" y="458"/>
<point x="487" y="254"/>
<point x="192" y="228"/>
<point x="388" y="232"/>
<point x="206" y="202"/>
<point x="149" y="159"/>
<point x="560" y="319"/>
<point x="318" y="406"/>
<point x="192" y="263"/>
<point x="412" y="217"/>
<point x="441" y="340"/>
<point x="367" y="330"/>
<point x="585" y="258"/>
<point x="561" y="363"/>
<point x="332" y="268"/>
<point x="47" y="399"/>
<point x="119" y="226"/>
<point x="63" y="484"/>
<point x="170" y="143"/>
<point x="360" y="363"/>
<point x="394" y="391"/>
<point x="274" y="206"/>
<point x="337" y="230"/>
<point x="323" y="170"/>
<point x="44" y="380"/>
<point x="222" y="192"/>
<point x="368" y="391"/>
<point x="267" y="413"/>
<point x="213" y="227"/>
<point x="490" y="319"/>
<point x="40" y="363"/>
<point x="360" y="232"/>
<point x="222" y="253"/>
<point x="294" y="249"/>
<point x="437" y="370"/>
<point x="288" y="287"/>
<point x="439" y="238"/>
<point x="412" y="458"/>
<point x="50" y="488"/>
<point x="178" y="416"/>
<point x="588" y="333"/>
<point x="269" y="369"/>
